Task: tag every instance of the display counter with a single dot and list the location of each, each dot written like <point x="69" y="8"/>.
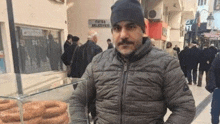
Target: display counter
<point x="45" y="105"/>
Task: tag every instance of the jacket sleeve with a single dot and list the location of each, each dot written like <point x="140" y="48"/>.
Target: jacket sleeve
<point x="64" y="58"/>
<point x="81" y="96"/>
<point x="98" y="50"/>
<point x="177" y="95"/>
<point x="211" y="85"/>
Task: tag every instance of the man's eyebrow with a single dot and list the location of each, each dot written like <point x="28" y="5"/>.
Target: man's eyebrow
<point x="116" y="25"/>
<point x="130" y="23"/>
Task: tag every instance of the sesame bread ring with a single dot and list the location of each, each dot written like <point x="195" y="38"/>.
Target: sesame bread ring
<point x="54" y="108"/>
<point x="7" y="104"/>
<point x="32" y="121"/>
<point x="56" y="120"/>
<point x="30" y="110"/>
<point x="67" y="121"/>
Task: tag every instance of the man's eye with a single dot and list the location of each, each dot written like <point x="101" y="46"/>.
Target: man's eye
<point x="117" y="28"/>
<point x="131" y="27"/>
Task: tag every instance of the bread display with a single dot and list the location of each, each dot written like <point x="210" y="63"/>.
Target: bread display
<point x="40" y="112"/>
<point x="7" y="104"/>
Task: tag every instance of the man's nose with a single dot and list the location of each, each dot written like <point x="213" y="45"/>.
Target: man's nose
<point x="124" y="33"/>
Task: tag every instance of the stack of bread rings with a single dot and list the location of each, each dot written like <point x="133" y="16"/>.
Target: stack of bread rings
<point x="45" y="112"/>
<point x="56" y="113"/>
<point x="7" y="104"/>
<point x="32" y="114"/>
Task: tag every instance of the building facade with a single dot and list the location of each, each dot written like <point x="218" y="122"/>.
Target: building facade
<point x="169" y="19"/>
<point x="201" y="29"/>
<point x="40" y="28"/>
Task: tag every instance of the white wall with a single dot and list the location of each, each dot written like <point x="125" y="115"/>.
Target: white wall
<point x="83" y="10"/>
<point x="38" y="13"/>
<point x="174" y="19"/>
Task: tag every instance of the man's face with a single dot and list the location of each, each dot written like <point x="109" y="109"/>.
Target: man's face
<point x="127" y="37"/>
<point x="95" y="39"/>
<point x="70" y="40"/>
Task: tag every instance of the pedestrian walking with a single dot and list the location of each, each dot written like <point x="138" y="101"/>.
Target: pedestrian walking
<point x="183" y="59"/>
<point x="177" y="49"/>
<point x="84" y="56"/>
<point x="110" y="45"/>
<point x="134" y="83"/>
<point x="214" y="86"/>
<point x="68" y="42"/>
<point x="192" y="61"/>
<point x="69" y="58"/>
<point x="170" y="50"/>
<point x="206" y="58"/>
<point x="87" y="51"/>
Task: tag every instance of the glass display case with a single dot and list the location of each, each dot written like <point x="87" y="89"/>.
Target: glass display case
<point x="48" y="103"/>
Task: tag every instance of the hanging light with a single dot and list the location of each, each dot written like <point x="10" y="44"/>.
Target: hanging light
<point x="210" y="20"/>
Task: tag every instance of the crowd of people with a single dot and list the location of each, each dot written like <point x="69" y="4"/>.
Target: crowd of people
<point x="206" y="60"/>
<point x="192" y="57"/>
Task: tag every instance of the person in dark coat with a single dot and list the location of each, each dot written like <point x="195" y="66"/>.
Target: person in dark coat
<point x="68" y="42"/>
<point x="177" y="49"/>
<point x="69" y="59"/>
<point x="110" y="45"/>
<point x="54" y="56"/>
<point x="182" y="60"/>
<point x="84" y="56"/>
<point x="214" y="86"/>
<point x="87" y="51"/>
<point x="192" y="61"/>
<point x="206" y="57"/>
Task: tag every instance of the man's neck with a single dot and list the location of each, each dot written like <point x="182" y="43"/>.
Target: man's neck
<point x="68" y="41"/>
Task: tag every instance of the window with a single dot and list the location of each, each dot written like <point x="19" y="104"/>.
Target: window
<point x="39" y="50"/>
<point x="204" y="2"/>
<point x="198" y="2"/>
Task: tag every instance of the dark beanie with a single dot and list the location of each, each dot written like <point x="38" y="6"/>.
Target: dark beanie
<point x="127" y="10"/>
<point x="75" y="38"/>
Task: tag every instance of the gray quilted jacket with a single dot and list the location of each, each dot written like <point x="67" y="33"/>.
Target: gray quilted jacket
<point x="134" y="90"/>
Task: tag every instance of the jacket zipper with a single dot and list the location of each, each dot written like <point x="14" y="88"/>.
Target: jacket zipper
<point x="125" y="76"/>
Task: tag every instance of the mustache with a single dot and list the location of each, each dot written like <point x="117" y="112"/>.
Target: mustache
<point x="125" y="42"/>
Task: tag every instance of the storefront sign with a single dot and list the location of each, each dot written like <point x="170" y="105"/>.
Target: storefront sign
<point x="99" y="23"/>
<point x="158" y="30"/>
<point x="31" y="32"/>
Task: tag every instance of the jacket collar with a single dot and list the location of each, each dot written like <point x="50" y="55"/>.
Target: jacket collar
<point x="138" y="54"/>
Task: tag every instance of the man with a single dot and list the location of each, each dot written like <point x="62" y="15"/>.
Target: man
<point x="68" y="42"/>
<point x="87" y="51"/>
<point x="214" y="86"/>
<point x="110" y="45"/>
<point x="192" y="61"/>
<point x="68" y="58"/>
<point x="177" y="49"/>
<point x="84" y="56"/>
<point x="134" y="83"/>
<point x="182" y="60"/>
<point x="206" y="58"/>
